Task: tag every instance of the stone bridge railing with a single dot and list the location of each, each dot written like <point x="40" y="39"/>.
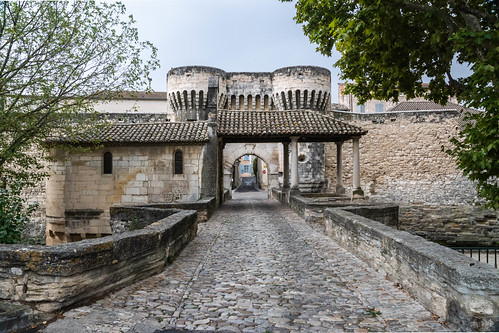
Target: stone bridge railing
<point x="49" y="279"/>
<point x="457" y="288"/>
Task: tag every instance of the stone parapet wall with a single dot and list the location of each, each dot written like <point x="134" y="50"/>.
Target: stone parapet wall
<point x="129" y="218"/>
<point x="204" y="207"/>
<point x="456" y="288"/>
<point x="462" y="225"/>
<point x="53" y="278"/>
<point x="402" y="159"/>
<point x="311" y="207"/>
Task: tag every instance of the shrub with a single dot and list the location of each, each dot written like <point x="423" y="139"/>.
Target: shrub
<point x="14" y="213"/>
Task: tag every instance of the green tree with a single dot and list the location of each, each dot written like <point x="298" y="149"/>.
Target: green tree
<point x="55" y="58"/>
<point x="387" y="47"/>
<point x="14" y="213"/>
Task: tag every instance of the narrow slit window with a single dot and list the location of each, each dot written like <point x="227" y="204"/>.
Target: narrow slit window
<point x="108" y="163"/>
<point x="179" y="162"/>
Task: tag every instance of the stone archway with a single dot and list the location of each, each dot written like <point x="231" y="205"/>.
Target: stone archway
<point x="267" y="152"/>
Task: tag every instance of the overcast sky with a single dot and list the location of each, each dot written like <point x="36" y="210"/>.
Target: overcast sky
<point x="233" y="35"/>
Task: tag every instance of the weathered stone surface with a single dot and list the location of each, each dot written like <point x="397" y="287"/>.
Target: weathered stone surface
<point x="402" y="158"/>
<point x="311" y="207"/>
<point x="141" y="175"/>
<point x="461" y="225"/>
<point x="52" y="278"/>
<point x="257" y="266"/>
<point x="455" y="287"/>
<point x="14" y="316"/>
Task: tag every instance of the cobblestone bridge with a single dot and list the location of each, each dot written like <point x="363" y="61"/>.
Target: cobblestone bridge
<point x="256" y="267"/>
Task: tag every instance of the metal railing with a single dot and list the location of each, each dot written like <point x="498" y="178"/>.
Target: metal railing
<point x="483" y="254"/>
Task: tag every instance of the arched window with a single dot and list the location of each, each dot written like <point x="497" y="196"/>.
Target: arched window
<point x="108" y="163"/>
<point x="361" y="108"/>
<point x="179" y="163"/>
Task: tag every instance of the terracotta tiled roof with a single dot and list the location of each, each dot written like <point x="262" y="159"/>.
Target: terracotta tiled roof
<point x="432" y="106"/>
<point x="136" y="95"/>
<point x="282" y="123"/>
<point x="424" y="106"/>
<point x="169" y="132"/>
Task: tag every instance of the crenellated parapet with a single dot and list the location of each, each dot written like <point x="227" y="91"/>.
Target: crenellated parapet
<point x="288" y="88"/>
<point x="188" y="88"/>
<point x="302" y="87"/>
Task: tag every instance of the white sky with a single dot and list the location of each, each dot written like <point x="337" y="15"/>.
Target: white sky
<point x="233" y="35"/>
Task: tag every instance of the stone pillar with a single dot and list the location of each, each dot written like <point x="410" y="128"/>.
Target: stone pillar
<point x="220" y="173"/>
<point x="339" y="168"/>
<point x="285" y="171"/>
<point x="294" y="164"/>
<point x="357" y="191"/>
<point x="55" y="202"/>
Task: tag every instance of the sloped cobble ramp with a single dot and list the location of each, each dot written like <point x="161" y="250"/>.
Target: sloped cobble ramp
<point x="255" y="267"/>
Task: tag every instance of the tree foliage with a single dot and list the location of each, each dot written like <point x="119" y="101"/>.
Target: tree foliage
<point x="14" y="213"/>
<point x="55" y="59"/>
<point x="389" y="46"/>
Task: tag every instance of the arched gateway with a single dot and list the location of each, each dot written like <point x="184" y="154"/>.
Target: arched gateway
<point x="288" y="128"/>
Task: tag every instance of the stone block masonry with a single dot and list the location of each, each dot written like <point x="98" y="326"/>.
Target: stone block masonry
<point x="53" y="278"/>
<point x="80" y="193"/>
<point x="459" y="225"/>
<point x="402" y="158"/>
<point x="311" y="208"/>
<point x="456" y="288"/>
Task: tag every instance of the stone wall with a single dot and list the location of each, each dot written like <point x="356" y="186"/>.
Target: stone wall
<point x="311" y="208"/>
<point x="402" y="159"/>
<point x="311" y="167"/>
<point x="456" y="288"/>
<point x="50" y="279"/>
<point x="81" y="194"/>
<point x="204" y="208"/>
<point x="461" y="225"/>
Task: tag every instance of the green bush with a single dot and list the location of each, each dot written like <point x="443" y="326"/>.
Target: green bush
<point x="14" y="213"/>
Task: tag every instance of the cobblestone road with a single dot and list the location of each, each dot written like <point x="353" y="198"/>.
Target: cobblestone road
<point x="256" y="267"/>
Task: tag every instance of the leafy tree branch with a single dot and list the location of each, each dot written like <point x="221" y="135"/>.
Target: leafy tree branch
<point x="388" y="46"/>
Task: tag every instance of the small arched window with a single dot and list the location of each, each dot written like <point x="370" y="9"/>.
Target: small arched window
<point x="179" y="162"/>
<point x="108" y="163"/>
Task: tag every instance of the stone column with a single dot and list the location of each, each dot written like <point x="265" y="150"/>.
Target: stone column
<point x="357" y="191"/>
<point x="220" y="173"/>
<point x="339" y="168"/>
<point x="285" y="171"/>
<point x="55" y="202"/>
<point x="294" y="164"/>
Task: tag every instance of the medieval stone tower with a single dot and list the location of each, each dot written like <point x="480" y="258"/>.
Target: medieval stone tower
<point x="288" y="88"/>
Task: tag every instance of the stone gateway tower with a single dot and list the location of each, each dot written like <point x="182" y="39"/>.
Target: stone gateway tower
<point x="285" y="89"/>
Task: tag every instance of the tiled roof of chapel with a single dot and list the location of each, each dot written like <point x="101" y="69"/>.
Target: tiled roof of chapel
<point x="166" y="132"/>
<point x="283" y="123"/>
